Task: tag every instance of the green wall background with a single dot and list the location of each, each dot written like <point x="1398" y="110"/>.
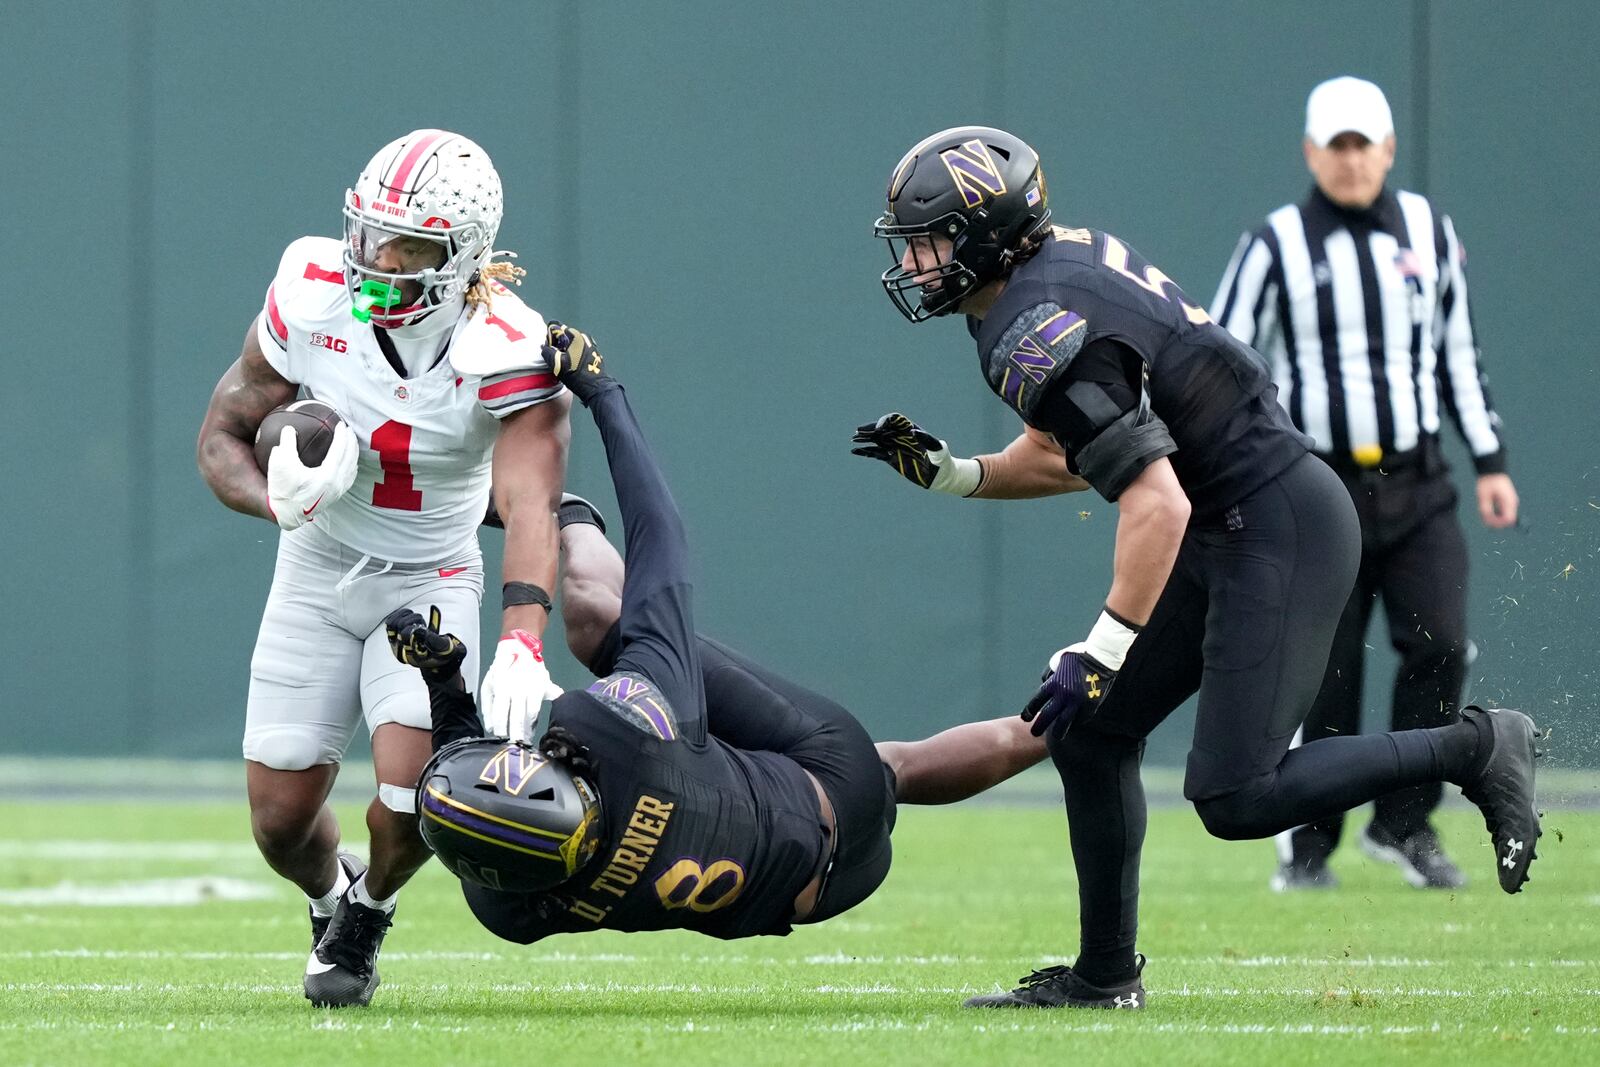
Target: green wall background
<point x="694" y="183"/>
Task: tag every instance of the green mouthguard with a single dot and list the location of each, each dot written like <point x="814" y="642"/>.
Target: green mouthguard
<point x="374" y="294"/>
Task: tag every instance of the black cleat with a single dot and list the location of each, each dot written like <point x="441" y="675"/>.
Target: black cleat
<point x="1420" y="857"/>
<point x="1297" y="874"/>
<point x="353" y="869"/>
<point x="1504" y="793"/>
<point x="1060" y="987"/>
<point x="343" y="968"/>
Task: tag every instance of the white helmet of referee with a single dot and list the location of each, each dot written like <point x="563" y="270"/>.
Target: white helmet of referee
<point x="429" y="186"/>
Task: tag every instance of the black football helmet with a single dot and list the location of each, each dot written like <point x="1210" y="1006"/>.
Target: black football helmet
<point x="500" y="814"/>
<point x="978" y="188"/>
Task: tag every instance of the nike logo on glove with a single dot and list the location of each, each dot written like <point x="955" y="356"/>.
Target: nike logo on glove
<point x="313" y="507"/>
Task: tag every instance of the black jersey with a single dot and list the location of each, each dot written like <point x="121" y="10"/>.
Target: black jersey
<point x="1185" y="389"/>
<point x="698" y="835"/>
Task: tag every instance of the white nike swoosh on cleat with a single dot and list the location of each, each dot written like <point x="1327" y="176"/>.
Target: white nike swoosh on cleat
<point x="316" y="966"/>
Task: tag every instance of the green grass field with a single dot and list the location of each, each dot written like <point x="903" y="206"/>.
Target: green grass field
<point x="979" y="895"/>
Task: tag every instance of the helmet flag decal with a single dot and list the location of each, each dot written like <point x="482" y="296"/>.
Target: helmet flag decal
<point x="974" y="171"/>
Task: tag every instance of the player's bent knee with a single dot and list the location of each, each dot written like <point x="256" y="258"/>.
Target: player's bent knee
<point x="1234" y="817"/>
<point x="282" y="828"/>
<point x="1088" y="745"/>
<point x="290" y="747"/>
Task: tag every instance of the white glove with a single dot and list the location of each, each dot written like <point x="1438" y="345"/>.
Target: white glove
<point x="296" y="492"/>
<point x="516" y="687"/>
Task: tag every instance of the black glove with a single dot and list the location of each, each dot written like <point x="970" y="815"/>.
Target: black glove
<point x="921" y="458"/>
<point x="420" y="644"/>
<point x="577" y="364"/>
<point x="1074" y="688"/>
<point x="559" y="745"/>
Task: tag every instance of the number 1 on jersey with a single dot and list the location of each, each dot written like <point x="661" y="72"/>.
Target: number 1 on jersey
<point x="392" y="442"/>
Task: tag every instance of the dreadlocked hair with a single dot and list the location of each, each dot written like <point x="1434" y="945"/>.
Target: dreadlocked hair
<point x="481" y="292"/>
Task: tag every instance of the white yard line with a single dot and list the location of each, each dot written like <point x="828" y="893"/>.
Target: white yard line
<point x="759" y="989"/>
<point x="148" y="893"/>
<point x="84" y="849"/>
<point x="1047" y="1024"/>
<point x="831" y="959"/>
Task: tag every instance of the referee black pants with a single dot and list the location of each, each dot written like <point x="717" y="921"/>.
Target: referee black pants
<point x="1413" y="556"/>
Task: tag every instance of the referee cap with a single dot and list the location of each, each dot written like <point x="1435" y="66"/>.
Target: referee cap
<point x="1348" y="104"/>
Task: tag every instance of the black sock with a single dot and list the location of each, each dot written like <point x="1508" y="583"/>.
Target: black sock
<point x="1106" y="969"/>
<point x="1484" y="744"/>
<point x="1106" y="820"/>
<point x="1463" y="747"/>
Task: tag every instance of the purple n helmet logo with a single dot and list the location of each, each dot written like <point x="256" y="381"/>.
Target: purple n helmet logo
<point x="510" y="768"/>
<point x="974" y="172"/>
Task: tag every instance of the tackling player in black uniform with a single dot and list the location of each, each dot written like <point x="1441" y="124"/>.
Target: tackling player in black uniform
<point x="688" y="787"/>
<point x="1235" y="548"/>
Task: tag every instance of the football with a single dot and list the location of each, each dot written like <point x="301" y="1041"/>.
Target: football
<point x="313" y="423"/>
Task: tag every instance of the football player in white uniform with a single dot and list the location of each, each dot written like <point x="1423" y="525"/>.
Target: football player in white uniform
<point x="407" y="329"/>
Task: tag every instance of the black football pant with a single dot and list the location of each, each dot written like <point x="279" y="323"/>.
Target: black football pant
<point x="716" y="690"/>
<point x="1246" y="620"/>
<point x="1414" y="556"/>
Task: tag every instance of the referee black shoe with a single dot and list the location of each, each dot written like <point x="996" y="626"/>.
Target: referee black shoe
<point x="1060" y="987"/>
<point x="353" y="869"/>
<point x="1296" y="875"/>
<point x="343" y="969"/>
<point x="1420" y="857"/>
<point x="1504" y="792"/>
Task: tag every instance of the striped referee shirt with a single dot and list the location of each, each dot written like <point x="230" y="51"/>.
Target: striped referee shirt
<point x="1363" y="316"/>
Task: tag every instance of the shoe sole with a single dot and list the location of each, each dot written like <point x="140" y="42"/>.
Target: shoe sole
<point x="1134" y="1001"/>
<point x="345" y="998"/>
<point x="1531" y="737"/>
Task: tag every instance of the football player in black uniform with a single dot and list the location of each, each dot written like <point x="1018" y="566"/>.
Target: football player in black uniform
<point x="1235" y="548"/>
<point x="688" y="787"/>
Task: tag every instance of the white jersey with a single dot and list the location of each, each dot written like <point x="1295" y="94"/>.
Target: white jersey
<point x="422" y="483"/>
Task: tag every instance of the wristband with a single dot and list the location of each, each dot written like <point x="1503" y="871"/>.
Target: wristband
<point x="1108" y="641"/>
<point x="956" y="476"/>
<point x="515" y="594"/>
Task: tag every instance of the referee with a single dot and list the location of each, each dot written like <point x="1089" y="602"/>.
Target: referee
<point x="1358" y="297"/>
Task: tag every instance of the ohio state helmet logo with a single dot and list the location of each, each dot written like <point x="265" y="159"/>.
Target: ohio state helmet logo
<point x="974" y="171"/>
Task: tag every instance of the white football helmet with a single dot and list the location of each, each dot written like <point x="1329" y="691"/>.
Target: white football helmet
<point x="429" y="186"/>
